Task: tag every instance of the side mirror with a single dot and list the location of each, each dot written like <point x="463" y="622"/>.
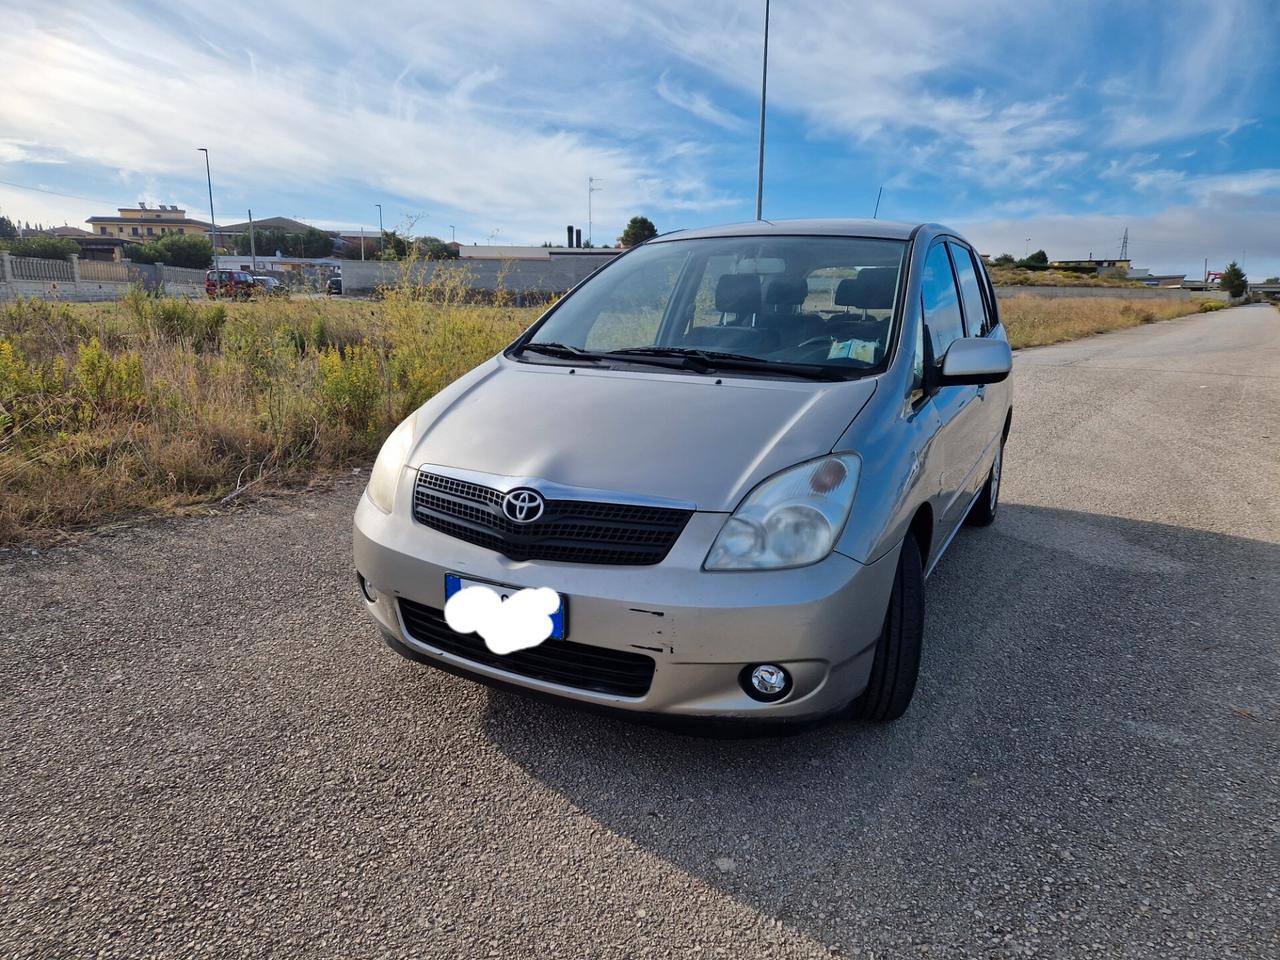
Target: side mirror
<point x="976" y="360"/>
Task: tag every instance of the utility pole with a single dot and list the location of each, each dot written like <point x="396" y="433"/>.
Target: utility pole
<point x="591" y="188"/>
<point x="453" y="234"/>
<point x="253" y="250"/>
<point x="362" y="244"/>
<point x="213" y="223"/>
<point x="382" y="233"/>
<point x="878" y="194"/>
<point x="764" y="83"/>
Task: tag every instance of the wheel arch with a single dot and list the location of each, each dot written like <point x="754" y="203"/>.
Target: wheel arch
<point x="921" y="527"/>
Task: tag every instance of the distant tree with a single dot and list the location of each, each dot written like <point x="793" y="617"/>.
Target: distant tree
<point x="1037" y="259"/>
<point x="637" y="230"/>
<point x="44" y="248"/>
<point x="433" y="248"/>
<point x="1004" y="260"/>
<point x="8" y="230"/>
<point x="1233" y="280"/>
<point x="177" y="250"/>
<point x="187" y="251"/>
<point x="1272" y="280"/>
<point x="317" y="243"/>
<point x="150" y="252"/>
<point x="394" y="246"/>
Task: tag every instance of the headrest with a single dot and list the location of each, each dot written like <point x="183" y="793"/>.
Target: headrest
<point x="872" y="289"/>
<point x="786" y="292"/>
<point x="738" y="293"/>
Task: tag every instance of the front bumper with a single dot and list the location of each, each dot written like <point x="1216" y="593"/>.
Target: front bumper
<point x="701" y="629"/>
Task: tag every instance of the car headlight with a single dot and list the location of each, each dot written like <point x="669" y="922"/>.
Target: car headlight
<point x="790" y="520"/>
<point x="386" y="469"/>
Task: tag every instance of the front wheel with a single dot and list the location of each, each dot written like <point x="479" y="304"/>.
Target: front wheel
<point x="897" y="664"/>
<point x="983" y="513"/>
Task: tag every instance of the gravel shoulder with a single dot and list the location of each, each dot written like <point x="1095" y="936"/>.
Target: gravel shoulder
<point x="205" y="750"/>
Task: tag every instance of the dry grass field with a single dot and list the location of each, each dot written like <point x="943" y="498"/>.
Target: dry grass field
<point x="151" y="404"/>
<point x="1036" y="321"/>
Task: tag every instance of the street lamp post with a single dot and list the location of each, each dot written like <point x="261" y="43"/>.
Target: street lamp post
<point x="764" y="81"/>
<point x="382" y="234"/>
<point x="213" y="222"/>
<point x="453" y="234"/>
<point x="253" y="250"/>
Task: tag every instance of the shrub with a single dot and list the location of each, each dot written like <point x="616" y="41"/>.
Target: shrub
<point x="113" y="383"/>
<point x="188" y="251"/>
<point x="351" y="386"/>
<point x="44" y="248"/>
<point x="150" y="252"/>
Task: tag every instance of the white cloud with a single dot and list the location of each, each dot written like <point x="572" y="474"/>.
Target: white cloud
<point x="435" y="132"/>
<point x="1209" y="57"/>
<point x="1177" y="239"/>
<point x="494" y="114"/>
<point x="698" y="104"/>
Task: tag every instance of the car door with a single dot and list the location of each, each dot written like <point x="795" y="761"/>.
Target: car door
<point x="959" y="441"/>
<point x="978" y="322"/>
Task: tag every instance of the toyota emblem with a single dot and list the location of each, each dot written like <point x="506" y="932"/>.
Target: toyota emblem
<point x="523" y="506"/>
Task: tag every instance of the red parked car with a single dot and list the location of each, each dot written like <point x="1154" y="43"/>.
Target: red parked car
<point x="229" y="284"/>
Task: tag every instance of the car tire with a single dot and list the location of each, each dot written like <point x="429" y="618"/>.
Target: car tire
<point x="983" y="511"/>
<point x="897" y="663"/>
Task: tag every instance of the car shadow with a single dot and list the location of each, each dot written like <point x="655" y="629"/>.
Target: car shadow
<point x="1082" y="676"/>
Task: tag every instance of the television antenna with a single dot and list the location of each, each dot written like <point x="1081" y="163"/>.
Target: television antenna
<point x="591" y="188"/>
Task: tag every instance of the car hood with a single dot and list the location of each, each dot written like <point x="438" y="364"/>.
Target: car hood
<point x="705" y="440"/>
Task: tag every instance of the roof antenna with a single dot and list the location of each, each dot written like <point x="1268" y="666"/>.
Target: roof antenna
<point x="877" y="213"/>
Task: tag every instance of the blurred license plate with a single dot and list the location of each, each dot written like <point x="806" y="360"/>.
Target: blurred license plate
<point x="453" y="583"/>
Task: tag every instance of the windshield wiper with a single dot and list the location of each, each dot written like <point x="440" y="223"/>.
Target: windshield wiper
<point x="716" y="359"/>
<point x="561" y="350"/>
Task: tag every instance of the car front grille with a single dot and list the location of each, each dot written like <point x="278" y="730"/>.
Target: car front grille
<point x="570" y="531"/>
<point x="598" y="669"/>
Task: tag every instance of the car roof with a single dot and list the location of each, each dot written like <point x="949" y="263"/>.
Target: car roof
<point x="877" y="229"/>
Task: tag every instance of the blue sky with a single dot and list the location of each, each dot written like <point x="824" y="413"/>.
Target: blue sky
<point x="1061" y="123"/>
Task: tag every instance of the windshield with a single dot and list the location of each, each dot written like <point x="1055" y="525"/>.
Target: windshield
<point x="784" y="300"/>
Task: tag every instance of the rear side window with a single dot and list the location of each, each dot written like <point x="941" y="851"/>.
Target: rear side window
<point x="941" y="302"/>
<point x="975" y="308"/>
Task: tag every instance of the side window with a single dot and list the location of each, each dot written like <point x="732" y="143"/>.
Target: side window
<point x="941" y="302"/>
<point x="975" y="308"/>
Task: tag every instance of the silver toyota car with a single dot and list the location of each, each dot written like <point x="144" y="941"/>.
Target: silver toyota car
<point x="734" y="453"/>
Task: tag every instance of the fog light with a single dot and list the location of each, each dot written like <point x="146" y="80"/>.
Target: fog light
<point x="366" y="588"/>
<point x="767" y="682"/>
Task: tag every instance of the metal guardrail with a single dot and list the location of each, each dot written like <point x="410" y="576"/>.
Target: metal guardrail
<point x="34" y="268"/>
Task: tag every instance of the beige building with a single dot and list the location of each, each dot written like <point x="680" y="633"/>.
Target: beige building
<point x="144" y="223"/>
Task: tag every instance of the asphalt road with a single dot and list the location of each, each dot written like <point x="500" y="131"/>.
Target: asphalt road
<point x="205" y="750"/>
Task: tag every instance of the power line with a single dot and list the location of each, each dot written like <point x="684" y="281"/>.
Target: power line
<point x="55" y="193"/>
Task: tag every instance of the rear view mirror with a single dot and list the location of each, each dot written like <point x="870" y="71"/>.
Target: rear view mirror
<point x="976" y="360"/>
<point x="761" y="265"/>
